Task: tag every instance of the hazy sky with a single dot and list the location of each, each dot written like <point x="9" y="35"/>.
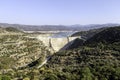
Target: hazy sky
<point x="64" y="12"/>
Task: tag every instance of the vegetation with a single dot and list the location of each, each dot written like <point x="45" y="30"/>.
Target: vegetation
<point x="88" y="34"/>
<point x="97" y="58"/>
<point x="107" y="36"/>
<point x="18" y="50"/>
<point x="11" y="29"/>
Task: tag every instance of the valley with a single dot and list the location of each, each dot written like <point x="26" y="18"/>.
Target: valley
<point x="86" y="55"/>
<point x="59" y="40"/>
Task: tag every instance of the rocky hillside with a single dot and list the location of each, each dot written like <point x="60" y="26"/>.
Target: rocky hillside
<point x="18" y="50"/>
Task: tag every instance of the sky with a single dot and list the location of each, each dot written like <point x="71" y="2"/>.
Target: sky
<point x="59" y="12"/>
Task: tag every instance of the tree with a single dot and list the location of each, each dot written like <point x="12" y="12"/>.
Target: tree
<point x="86" y="74"/>
<point x="5" y="77"/>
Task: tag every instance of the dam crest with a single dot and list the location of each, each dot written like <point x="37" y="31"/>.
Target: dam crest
<point x="59" y="43"/>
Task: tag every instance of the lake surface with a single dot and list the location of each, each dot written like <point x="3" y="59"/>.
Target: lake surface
<point x="63" y="34"/>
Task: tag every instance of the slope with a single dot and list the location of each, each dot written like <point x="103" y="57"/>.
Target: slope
<point x="99" y="62"/>
<point x="109" y="35"/>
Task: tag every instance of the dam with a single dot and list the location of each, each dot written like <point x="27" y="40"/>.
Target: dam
<point x="57" y="43"/>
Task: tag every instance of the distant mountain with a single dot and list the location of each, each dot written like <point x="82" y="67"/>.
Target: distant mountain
<point x="93" y="26"/>
<point x="57" y="27"/>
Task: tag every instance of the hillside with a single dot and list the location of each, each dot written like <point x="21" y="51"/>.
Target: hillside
<point x="18" y="50"/>
<point x="2" y="30"/>
<point x="99" y="62"/>
<point x="97" y="59"/>
<point x="10" y="30"/>
<point x="88" y="34"/>
<point x="107" y="36"/>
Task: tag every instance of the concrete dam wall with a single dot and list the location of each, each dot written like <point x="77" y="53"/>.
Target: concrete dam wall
<point x="57" y="43"/>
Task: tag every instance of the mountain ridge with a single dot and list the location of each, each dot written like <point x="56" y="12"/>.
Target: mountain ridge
<point x="57" y="27"/>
